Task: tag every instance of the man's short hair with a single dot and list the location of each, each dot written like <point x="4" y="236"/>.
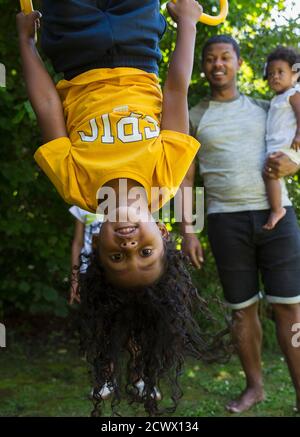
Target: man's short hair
<point x="221" y="39"/>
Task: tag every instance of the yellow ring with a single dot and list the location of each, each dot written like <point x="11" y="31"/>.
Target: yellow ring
<point x="218" y="19"/>
<point x="26" y="6"/>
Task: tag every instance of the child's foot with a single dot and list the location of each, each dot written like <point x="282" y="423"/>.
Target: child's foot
<point x="248" y="399"/>
<point x="103" y="393"/>
<point x="274" y="218"/>
<point x="140" y="385"/>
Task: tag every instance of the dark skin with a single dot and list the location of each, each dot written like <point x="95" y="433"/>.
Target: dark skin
<point x="46" y="103"/>
<point x="132" y="251"/>
<point x="221" y="65"/>
<point x="77" y="244"/>
<point x="281" y="78"/>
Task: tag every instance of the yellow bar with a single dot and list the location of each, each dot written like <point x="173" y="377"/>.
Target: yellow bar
<point x="218" y="19"/>
<point x="26" y="6"/>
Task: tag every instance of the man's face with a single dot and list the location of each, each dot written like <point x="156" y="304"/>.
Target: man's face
<point x="220" y="65"/>
<point x="132" y="253"/>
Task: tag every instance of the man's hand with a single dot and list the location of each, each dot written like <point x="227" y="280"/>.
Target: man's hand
<point x="296" y="142"/>
<point x="189" y="10"/>
<point x="279" y="165"/>
<point x="27" y="25"/>
<point x="191" y="247"/>
<point x="74" y="292"/>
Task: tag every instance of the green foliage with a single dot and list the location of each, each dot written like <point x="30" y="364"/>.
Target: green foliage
<point x="35" y="226"/>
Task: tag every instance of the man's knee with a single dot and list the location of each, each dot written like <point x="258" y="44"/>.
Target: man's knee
<point x="245" y="315"/>
<point x="286" y="310"/>
<point x="247" y="311"/>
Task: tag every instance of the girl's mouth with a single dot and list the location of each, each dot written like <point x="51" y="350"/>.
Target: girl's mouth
<point x="126" y="230"/>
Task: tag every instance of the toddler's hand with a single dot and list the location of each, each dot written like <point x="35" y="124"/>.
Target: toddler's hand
<point x="185" y="10"/>
<point x="27" y="25"/>
<point x="296" y="142"/>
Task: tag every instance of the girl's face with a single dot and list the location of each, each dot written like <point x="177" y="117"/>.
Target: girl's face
<point x="280" y="76"/>
<point x="132" y="252"/>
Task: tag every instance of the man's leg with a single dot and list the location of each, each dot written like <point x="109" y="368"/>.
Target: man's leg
<point x="231" y="239"/>
<point x="279" y="259"/>
<point x="286" y="316"/>
<point x="247" y="337"/>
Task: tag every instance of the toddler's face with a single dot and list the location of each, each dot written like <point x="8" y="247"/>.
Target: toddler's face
<point x="132" y="252"/>
<point x="280" y="76"/>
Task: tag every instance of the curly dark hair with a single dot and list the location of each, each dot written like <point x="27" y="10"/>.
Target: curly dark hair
<point x="143" y="333"/>
<point x="282" y="53"/>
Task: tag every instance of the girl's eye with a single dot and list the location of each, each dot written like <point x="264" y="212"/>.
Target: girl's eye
<point x="116" y="257"/>
<point x="146" y="252"/>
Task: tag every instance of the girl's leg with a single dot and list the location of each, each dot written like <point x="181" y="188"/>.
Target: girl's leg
<point x="79" y="35"/>
<point x="75" y="34"/>
<point x="273" y="187"/>
<point x="137" y="28"/>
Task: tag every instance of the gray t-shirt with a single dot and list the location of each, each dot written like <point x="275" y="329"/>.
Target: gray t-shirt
<point x="232" y="153"/>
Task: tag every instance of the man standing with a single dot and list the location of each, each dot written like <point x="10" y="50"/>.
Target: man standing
<point x="231" y="128"/>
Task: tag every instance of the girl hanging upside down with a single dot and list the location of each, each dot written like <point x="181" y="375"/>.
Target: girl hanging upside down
<point x="106" y="131"/>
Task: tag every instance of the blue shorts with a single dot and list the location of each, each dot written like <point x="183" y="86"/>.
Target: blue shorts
<point x="243" y="250"/>
<point x="80" y="35"/>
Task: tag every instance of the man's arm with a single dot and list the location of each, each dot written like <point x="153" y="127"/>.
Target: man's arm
<point x="279" y="165"/>
<point x="187" y="201"/>
<point x="40" y="87"/>
<point x="190" y="244"/>
<point x="175" y="116"/>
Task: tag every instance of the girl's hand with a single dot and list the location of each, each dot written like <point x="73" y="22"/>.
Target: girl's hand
<point x="192" y="248"/>
<point x="296" y="142"/>
<point x="185" y="10"/>
<point x="27" y="25"/>
<point x="74" y="292"/>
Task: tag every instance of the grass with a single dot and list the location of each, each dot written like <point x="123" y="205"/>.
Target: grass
<point x="49" y="379"/>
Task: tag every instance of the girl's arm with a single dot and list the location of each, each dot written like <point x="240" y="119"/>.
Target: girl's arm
<point x="295" y="103"/>
<point x="40" y="87"/>
<point x="190" y="245"/>
<point x="175" y="115"/>
<point x="77" y="245"/>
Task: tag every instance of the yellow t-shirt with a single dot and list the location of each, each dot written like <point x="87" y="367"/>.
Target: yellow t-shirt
<point x="112" y="118"/>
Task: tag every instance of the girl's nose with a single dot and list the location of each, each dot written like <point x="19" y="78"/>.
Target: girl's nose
<point x="128" y="244"/>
